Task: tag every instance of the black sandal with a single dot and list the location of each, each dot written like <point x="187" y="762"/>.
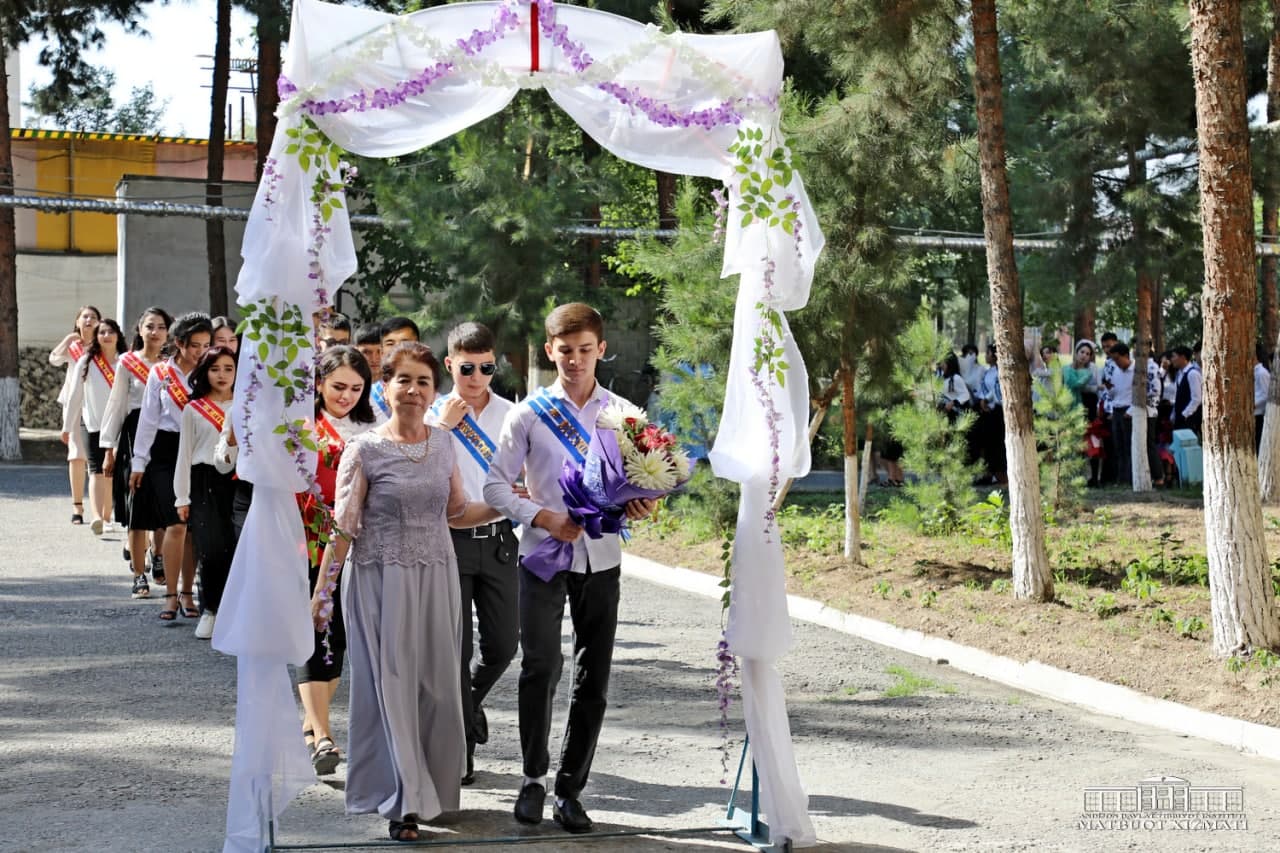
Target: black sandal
<point x="324" y="756"/>
<point x="189" y="612"/>
<point x="398" y="828"/>
<point x="167" y="615"/>
<point x="77" y="517"/>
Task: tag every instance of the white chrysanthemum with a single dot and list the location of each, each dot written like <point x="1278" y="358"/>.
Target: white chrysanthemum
<point x="683" y="465"/>
<point x="650" y="471"/>
<point x="616" y="413"/>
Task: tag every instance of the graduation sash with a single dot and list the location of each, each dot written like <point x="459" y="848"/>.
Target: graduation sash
<point x="133" y="363"/>
<point x="472" y="437"/>
<point x="211" y="411"/>
<point x="329" y="439"/>
<point x="177" y="389"/>
<point x="108" y="372"/>
<point x="76" y="350"/>
<point x="562" y="425"/>
<point x="379" y="396"/>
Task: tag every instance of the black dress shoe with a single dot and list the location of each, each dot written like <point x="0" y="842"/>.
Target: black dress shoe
<point x="469" y="777"/>
<point x="480" y="726"/>
<point x="572" y="816"/>
<point x="529" y="803"/>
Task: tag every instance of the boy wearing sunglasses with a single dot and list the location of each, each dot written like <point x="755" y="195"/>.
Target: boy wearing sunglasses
<point x="486" y="554"/>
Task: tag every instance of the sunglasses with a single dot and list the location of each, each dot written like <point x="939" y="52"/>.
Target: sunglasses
<point x="487" y="369"/>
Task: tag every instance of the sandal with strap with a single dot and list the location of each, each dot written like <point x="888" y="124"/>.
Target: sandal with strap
<point x="77" y="517"/>
<point x="324" y="758"/>
<point x="404" y="830"/>
<point x="168" y="615"/>
<point x="141" y="589"/>
<point x="189" y="611"/>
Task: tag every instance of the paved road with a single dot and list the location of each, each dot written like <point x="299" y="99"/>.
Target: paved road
<point x="116" y="732"/>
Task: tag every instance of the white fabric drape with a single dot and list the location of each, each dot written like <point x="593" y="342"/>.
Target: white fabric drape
<point x="632" y="96"/>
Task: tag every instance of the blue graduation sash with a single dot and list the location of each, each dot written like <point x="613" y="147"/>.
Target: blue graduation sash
<point x="472" y="437"/>
<point x="379" y="396"/>
<point x="562" y="425"/>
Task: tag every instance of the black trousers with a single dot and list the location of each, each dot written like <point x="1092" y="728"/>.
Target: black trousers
<point x="593" y="609"/>
<point x="1122" y="439"/>
<point x="213" y="536"/>
<point x="490" y="591"/>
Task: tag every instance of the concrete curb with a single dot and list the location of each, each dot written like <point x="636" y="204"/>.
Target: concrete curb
<point x="1032" y="676"/>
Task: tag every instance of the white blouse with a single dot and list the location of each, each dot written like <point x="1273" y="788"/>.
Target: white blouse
<point x="198" y="445"/>
<point x="126" y="396"/>
<point x="159" y="412"/>
<point x="87" y="396"/>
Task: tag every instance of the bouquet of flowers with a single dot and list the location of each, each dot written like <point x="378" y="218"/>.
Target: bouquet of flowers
<point x="628" y="458"/>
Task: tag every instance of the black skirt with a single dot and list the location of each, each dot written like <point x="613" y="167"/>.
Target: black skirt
<point x="153" y="502"/>
<point x="121" y="501"/>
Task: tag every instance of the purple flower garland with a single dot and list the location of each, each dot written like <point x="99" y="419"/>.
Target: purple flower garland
<point x="663" y="115"/>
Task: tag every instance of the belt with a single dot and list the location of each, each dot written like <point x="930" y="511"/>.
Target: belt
<point x="484" y="531"/>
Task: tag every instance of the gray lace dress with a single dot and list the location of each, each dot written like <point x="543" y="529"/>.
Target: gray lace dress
<point x="407" y="750"/>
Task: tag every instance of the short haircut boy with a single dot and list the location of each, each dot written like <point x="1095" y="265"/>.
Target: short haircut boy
<point x="396" y="324"/>
<point x="369" y="335"/>
<point x="470" y="337"/>
<point x="337" y="323"/>
<point x="572" y="318"/>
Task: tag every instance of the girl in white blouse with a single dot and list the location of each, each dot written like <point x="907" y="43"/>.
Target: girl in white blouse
<point x="119" y="427"/>
<point x="155" y="455"/>
<point x="91" y="383"/>
<point x="68" y="352"/>
<point x="202" y="479"/>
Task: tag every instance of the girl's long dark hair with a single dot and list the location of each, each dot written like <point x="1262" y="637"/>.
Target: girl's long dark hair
<point x="95" y="348"/>
<point x="200" y="375"/>
<point x="346" y="356"/>
<point x="138" y="343"/>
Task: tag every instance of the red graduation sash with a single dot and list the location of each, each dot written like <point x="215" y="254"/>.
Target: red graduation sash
<point x="177" y="390"/>
<point x="133" y="363"/>
<point x="76" y="350"/>
<point x="108" y="372"/>
<point x="211" y="411"/>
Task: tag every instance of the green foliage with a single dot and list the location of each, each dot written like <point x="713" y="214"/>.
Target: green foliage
<point x="92" y="107"/>
<point x="933" y="447"/>
<point x="1139" y="583"/>
<point x="1104" y="606"/>
<point x="1189" y="626"/>
<point x="1059" y="425"/>
<point x="821" y="531"/>
<point x="908" y="683"/>
<point x="883" y="589"/>
<point x="989" y="519"/>
<point x="1000" y="586"/>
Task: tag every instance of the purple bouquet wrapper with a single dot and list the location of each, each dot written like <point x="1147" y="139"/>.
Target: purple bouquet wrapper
<point x="595" y="496"/>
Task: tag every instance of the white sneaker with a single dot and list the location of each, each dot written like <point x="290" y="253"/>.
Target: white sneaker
<point x="96" y="527"/>
<point x="204" y="630"/>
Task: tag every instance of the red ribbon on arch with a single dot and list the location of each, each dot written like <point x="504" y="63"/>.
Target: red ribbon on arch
<point x="533" y="36"/>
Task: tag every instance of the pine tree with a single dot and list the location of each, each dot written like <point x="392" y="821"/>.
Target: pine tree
<point x="1242" y="600"/>
<point x="1059" y="427"/>
<point x="1032" y="578"/>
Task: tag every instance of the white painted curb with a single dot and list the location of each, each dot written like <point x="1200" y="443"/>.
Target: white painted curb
<point x="1032" y="676"/>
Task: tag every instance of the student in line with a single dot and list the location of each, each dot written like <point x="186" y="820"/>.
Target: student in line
<point x="68" y="352"/>
<point x="91" y="383"/>
<point x="119" y="427"/>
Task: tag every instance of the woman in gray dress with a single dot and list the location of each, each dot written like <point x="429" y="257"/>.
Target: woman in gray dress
<point x="398" y="491"/>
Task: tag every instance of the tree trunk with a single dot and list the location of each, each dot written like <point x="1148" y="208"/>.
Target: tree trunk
<point x="1157" y="316"/>
<point x="1140" y="468"/>
<point x="1032" y="578"/>
<point x="1241" y="597"/>
<point x="10" y="395"/>
<point x="216" y="246"/>
<point x="852" y="518"/>
<point x="864" y="479"/>
<point x="1079" y="228"/>
<point x="666" y="199"/>
<point x="271" y="24"/>
<point x="1269" y="452"/>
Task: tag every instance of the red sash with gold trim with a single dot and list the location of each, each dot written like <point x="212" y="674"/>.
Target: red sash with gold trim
<point x="177" y="389"/>
<point x="211" y="411"/>
<point x="133" y="363"/>
<point x="108" y="372"/>
<point x="76" y="350"/>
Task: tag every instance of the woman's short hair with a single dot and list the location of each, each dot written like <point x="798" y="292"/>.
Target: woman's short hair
<point x="410" y="351"/>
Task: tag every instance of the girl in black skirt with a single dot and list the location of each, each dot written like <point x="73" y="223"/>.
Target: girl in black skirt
<point x="91" y="382"/>
<point x="155" y="454"/>
<point x="202" y="481"/>
<point x="119" y="426"/>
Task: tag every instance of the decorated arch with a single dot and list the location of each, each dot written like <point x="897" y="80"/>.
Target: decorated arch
<point x="381" y="85"/>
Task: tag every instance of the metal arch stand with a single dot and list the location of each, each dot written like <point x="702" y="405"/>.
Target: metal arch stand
<point x="746" y="825"/>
